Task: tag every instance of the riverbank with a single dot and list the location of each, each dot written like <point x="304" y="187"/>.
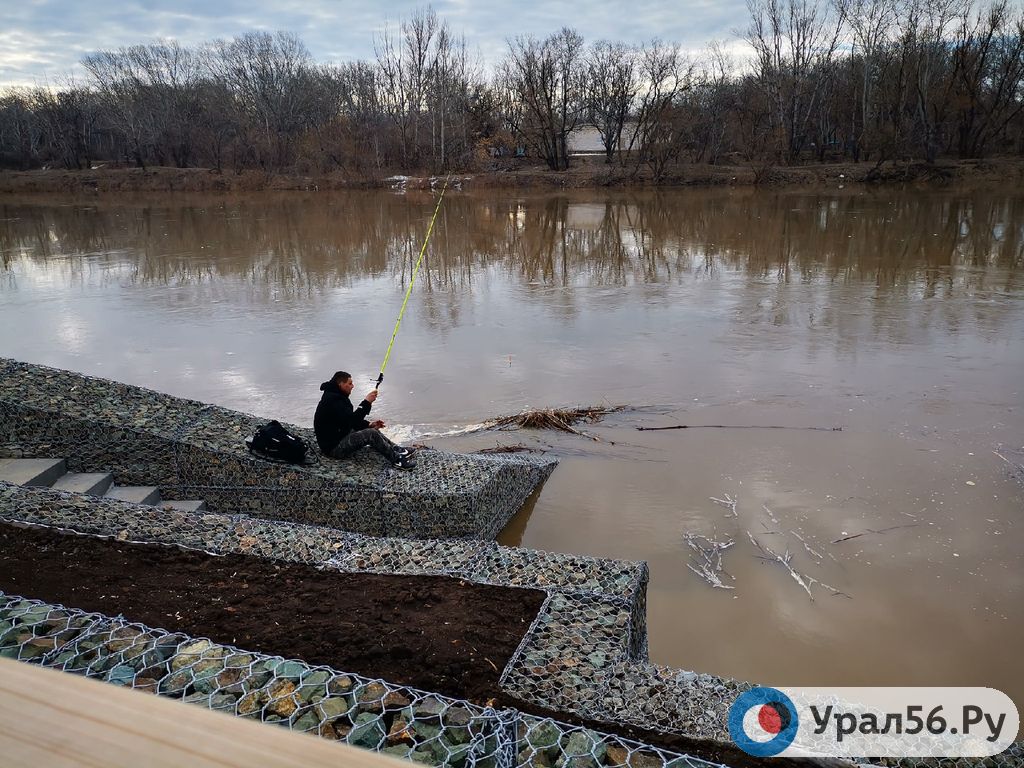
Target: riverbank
<point x="589" y="172"/>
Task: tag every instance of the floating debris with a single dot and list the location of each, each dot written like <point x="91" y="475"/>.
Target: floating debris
<point x="872" y="530"/>
<point x="517" y="448"/>
<point x="728" y="502"/>
<point x="1016" y="468"/>
<point x="560" y="419"/>
<point x="708" y="559"/>
<point x="810" y="551"/>
<point x="785" y="560"/>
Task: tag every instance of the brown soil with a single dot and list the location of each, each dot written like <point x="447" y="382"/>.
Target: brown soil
<point x="587" y="172"/>
<point x="435" y="633"/>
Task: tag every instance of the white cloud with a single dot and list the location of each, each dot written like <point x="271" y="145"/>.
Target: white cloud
<point x="47" y="38"/>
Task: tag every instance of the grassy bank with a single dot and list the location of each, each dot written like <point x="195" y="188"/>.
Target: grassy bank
<point x="589" y="172"/>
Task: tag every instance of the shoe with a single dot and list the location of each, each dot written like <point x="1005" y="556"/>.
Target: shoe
<point x="405" y="452"/>
<point x="404" y="462"/>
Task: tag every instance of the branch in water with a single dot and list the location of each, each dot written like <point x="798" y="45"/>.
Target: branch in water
<point x="736" y="426"/>
<point x="710" y="559"/>
<point x="786" y="561"/>
<point x="872" y="530"/>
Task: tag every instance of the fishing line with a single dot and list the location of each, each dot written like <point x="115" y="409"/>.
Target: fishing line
<point x="408" y="292"/>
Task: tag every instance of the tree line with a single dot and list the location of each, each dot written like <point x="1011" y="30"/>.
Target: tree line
<point x="861" y="80"/>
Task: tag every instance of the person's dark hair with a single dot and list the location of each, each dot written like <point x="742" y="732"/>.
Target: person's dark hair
<point x="339" y="377"/>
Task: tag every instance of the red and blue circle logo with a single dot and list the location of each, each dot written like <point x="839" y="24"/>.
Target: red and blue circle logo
<point x="763" y="722"/>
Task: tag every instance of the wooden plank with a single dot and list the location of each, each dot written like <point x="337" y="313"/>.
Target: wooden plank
<point x="56" y="719"/>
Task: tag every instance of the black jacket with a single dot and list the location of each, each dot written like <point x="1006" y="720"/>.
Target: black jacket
<point x="335" y="417"/>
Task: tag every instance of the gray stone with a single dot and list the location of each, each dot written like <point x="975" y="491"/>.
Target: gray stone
<point x="190" y="654"/>
<point x="334" y="706"/>
<point x="222" y="701"/>
<point x="457" y="735"/>
<point x="290" y="669"/>
<point x="585" y="743"/>
<point x="176" y="683"/>
<point x="317" y="677"/>
<point x="430" y="707"/>
<point x="457" y="756"/>
<point x="425" y="731"/>
<point x="531" y="758"/>
<point x="339" y="685"/>
<point x="544" y="735"/>
<point x="367" y="732"/>
<point x="307" y="722"/>
<point x="122" y="674"/>
<point x="457" y="716"/>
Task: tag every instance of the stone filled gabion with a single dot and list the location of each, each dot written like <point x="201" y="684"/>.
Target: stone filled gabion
<point x="567" y="653"/>
<point x="585" y="652"/>
<point x="373" y="714"/>
<point x="193" y="450"/>
<point x="670" y="700"/>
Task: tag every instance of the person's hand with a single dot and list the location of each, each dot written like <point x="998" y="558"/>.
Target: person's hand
<point x="377" y="424"/>
<point x="371" y="397"/>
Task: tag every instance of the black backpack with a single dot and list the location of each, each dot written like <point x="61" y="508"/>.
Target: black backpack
<point x="272" y="441"/>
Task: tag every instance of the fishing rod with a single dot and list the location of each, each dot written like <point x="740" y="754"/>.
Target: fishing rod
<point x="408" y="292"/>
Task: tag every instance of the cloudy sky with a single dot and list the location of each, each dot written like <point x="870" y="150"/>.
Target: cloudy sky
<point x="45" y="39"/>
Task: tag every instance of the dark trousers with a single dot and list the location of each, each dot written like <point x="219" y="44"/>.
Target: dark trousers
<point x="353" y="441"/>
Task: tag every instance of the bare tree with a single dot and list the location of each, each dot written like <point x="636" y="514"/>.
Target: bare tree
<point x="21" y="134"/>
<point x="658" y="134"/>
<point x="452" y="81"/>
<point x="407" y="67"/>
<point x="612" y="84"/>
<point x="988" y="67"/>
<point x="543" y="79"/>
<point x="66" y="115"/>
<point x="712" y="104"/>
<point x="871" y="25"/>
<point x="121" y="83"/>
<point x="360" y="107"/>
<point x="795" y="43"/>
<point x="270" y="75"/>
<point x="924" y="25"/>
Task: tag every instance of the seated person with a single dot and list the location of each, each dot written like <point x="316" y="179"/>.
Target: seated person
<point x="341" y="430"/>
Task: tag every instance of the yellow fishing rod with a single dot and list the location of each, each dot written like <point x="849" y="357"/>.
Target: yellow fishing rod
<point x="408" y="292"/>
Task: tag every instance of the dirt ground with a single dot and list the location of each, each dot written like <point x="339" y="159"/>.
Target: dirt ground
<point x="439" y="634"/>
<point x="434" y="633"/>
<point x="587" y="172"/>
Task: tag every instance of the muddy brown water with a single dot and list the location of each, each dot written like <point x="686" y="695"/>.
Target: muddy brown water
<point x="896" y="315"/>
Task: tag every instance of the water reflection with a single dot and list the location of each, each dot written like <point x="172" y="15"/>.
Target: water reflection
<point x="912" y="244"/>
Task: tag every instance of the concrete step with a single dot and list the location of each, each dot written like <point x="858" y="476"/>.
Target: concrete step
<point x="185" y="505"/>
<point x="32" y="471"/>
<point x="137" y="494"/>
<point x="93" y="483"/>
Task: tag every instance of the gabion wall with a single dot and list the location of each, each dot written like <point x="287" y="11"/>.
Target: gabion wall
<point x="197" y="451"/>
<point x="584" y="654"/>
<point x="397" y="720"/>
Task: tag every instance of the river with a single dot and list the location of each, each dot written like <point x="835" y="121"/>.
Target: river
<point x="895" y="315"/>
